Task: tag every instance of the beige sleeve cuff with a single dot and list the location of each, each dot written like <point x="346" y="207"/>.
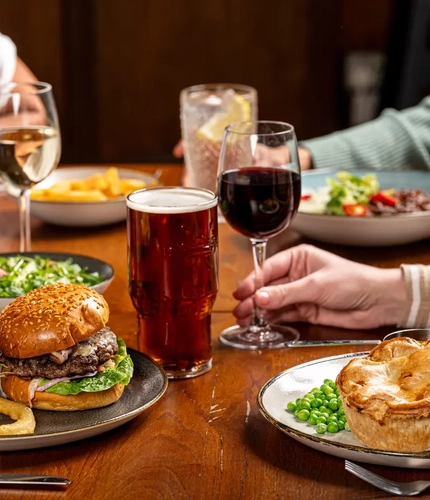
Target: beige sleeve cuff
<point x="417" y="283"/>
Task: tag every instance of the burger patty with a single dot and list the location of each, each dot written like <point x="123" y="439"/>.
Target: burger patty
<point x="84" y="357"/>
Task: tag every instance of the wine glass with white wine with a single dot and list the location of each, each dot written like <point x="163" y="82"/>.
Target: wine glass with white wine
<point x="30" y="144"/>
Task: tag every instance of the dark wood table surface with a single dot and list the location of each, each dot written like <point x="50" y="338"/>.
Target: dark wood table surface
<point x="205" y="438"/>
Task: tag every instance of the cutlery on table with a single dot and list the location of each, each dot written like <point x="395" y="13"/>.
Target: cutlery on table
<point x="405" y="489"/>
<point x="414" y="333"/>
<point x="33" y="479"/>
<point x="324" y="343"/>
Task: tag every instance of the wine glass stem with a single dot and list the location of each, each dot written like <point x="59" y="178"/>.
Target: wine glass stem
<point x="259" y="254"/>
<point x="24" y="221"/>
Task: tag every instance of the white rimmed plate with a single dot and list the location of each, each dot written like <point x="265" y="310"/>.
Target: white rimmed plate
<point x="294" y="383"/>
<point x="148" y="384"/>
<point x="93" y="265"/>
<point x="89" y="213"/>
<point x="366" y="231"/>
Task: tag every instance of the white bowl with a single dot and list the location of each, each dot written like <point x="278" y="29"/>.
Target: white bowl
<point x="366" y="231"/>
<point x="92" y="265"/>
<point x="85" y="214"/>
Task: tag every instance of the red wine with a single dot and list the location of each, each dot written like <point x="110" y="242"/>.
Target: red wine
<point x="259" y="202"/>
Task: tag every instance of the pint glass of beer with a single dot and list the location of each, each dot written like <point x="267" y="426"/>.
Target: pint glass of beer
<point x="172" y="238"/>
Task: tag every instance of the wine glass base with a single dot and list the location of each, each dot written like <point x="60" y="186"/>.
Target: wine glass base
<point x="269" y="337"/>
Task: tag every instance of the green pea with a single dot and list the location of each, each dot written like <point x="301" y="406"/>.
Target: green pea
<point x="333" y="405"/>
<point x="304" y="405"/>
<point x="316" y="403"/>
<point x="313" y="419"/>
<point x="303" y="414"/>
<point x="291" y="407"/>
<point x="321" y="428"/>
<point x="327" y="390"/>
<point x="322" y="407"/>
<point x="332" y="427"/>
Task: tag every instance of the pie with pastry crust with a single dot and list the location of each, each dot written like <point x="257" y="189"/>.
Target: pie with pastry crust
<point x="386" y="396"/>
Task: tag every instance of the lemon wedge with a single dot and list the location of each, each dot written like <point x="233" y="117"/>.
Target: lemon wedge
<point x="239" y="110"/>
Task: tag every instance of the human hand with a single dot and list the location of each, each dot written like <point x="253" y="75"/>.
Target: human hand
<point x="178" y="150"/>
<point x="305" y="283"/>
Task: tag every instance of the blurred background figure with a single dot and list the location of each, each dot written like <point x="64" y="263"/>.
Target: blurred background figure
<point x="12" y="68"/>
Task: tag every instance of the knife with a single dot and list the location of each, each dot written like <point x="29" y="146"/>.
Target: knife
<point x="33" y="479"/>
<point x="323" y="343"/>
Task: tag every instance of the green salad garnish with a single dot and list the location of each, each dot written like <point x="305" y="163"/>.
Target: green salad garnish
<point x="20" y="274"/>
<point x="349" y="189"/>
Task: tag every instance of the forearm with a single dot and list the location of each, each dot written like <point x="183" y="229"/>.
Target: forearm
<point x="394" y="141"/>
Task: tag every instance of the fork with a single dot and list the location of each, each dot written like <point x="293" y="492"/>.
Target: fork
<point x="406" y="489"/>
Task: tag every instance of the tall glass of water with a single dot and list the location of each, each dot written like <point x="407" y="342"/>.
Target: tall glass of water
<point x="30" y="144"/>
<point x="205" y="112"/>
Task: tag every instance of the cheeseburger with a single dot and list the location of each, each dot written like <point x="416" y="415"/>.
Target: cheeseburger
<point x="57" y="352"/>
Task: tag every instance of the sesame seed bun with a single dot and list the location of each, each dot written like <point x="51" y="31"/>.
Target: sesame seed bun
<point x="51" y="318"/>
<point x="17" y="389"/>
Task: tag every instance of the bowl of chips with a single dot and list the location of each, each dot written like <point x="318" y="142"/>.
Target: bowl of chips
<point x="87" y="196"/>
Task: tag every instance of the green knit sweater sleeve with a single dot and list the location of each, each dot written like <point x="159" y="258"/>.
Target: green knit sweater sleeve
<point x="396" y="140"/>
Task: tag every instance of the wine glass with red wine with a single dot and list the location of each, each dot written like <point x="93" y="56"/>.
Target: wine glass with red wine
<point x="259" y="187"/>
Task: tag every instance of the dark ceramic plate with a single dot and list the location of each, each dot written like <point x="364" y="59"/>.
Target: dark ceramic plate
<point x="148" y="384"/>
<point x="92" y="264"/>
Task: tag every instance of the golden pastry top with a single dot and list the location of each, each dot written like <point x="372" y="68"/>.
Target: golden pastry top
<point x="392" y="380"/>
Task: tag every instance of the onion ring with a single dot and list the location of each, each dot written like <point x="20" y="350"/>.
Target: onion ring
<point x="25" y="421"/>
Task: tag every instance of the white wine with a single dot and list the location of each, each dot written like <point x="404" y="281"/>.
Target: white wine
<point x="27" y="156"/>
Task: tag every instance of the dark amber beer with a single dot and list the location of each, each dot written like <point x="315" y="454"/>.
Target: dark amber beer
<point x="172" y="237"/>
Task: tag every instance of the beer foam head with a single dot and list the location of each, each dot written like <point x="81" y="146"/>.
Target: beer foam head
<point x="171" y="200"/>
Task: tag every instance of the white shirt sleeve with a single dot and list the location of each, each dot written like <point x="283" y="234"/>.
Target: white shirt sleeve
<point x="417" y="283"/>
<point x="7" y="59"/>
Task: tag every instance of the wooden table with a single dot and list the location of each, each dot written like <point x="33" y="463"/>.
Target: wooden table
<point x="205" y="439"/>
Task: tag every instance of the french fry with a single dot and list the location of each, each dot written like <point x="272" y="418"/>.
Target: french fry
<point x="114" y="188"/>
<point x="90" y="195"/>
<point x="130" y="185"/>
<point x="97" y="187"/>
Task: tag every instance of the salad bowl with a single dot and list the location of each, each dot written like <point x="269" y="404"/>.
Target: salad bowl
<point x="370" y="231"/>
<point x="98" y="274"/>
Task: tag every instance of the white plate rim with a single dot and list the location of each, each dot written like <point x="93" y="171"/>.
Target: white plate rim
<point x="355" y="452"/>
